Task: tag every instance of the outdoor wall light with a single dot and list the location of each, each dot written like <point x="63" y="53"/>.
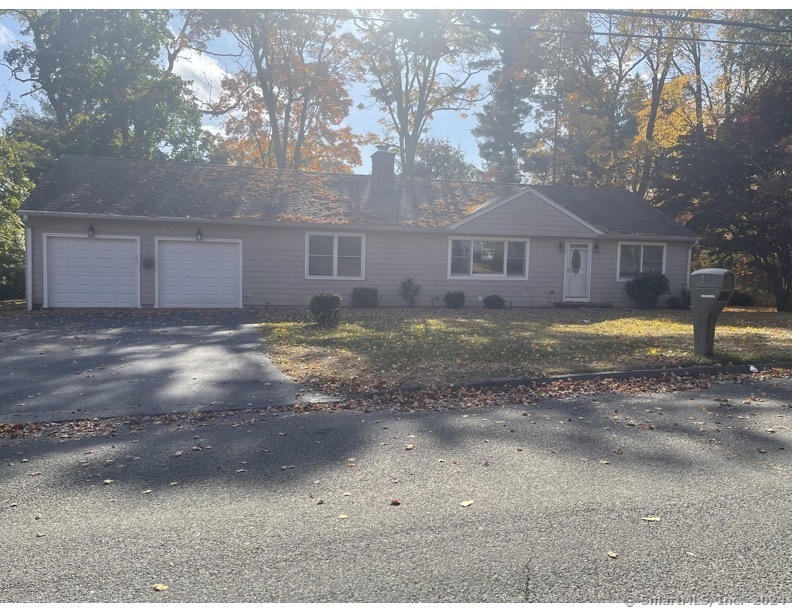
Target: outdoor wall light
<point x="596" y="247"/>
<point x="199" y="235"/>
<point x="91" y="230"/>
<point x="560" y="247"/>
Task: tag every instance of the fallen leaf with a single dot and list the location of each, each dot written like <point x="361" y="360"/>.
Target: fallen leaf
<point x="409" y="447"/>
<point x="604" y="461"/>
<point x="395" y="502"/>
<point x="613" y="555"/>
<point x="108" y="481"/>
<point x="343" y="516"/>
<point x="466" y="503"/>
<point x="160" y="587"/>
<point x="651" y="519"/>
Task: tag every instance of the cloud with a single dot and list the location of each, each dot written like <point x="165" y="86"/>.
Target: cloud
<point x="205" y="74"/>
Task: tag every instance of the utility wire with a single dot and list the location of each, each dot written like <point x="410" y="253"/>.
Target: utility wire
<point x="688" y="19"/>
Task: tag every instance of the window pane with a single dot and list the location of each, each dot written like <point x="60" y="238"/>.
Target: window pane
<point x="488" y="257"/>
<point x="460" y="248"/>
<point x="630" y="261"/>
<point x="349" y="246"/>
<point x="517" y="249"/>
<point x="515" y="266"/>
<point x="320" y="245"/>
<point x="349" y="266"/>
<point x="652" y="259"/>
<point x="320" y="266"/>
<point x="460" y="265"/>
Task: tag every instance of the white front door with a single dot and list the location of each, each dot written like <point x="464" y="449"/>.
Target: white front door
<point x="577" y="279"/>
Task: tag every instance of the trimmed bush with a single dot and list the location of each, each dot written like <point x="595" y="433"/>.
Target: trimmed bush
<point x="740" y="298"/>
<point x="365" y="297"/>
<point x="646" y="288"/>
<point x="682" y="302"/>
<point x="454" y="299"/>
<point x="409" y="291"/>
<point x="325" y="309"/>
<point x="494" y="301"/>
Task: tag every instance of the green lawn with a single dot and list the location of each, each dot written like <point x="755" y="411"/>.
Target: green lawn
<point x="386" y="348"/>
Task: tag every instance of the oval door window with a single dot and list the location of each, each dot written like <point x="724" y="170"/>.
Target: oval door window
<point x="575" y="264"/>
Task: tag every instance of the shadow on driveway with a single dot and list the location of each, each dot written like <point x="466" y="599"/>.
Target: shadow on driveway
<point x="65" y="365"/>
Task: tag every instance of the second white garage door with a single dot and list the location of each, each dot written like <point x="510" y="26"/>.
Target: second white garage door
<point x="199" y="274"/>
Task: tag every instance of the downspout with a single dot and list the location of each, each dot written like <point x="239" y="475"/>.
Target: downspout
<point x="28" y="264"/>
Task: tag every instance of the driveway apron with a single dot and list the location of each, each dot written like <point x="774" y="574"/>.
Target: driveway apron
<point x="66" y="365"/>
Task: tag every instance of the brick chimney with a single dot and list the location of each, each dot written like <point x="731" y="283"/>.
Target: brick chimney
<point x="383" y="176"/>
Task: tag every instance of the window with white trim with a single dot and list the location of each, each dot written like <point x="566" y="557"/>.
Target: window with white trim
<point x="334" y="255"/>
<point x="635" y="258"/>
<point x="485" y="257"/>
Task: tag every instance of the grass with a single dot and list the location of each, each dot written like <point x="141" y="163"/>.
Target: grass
<point x="386" y="348"/>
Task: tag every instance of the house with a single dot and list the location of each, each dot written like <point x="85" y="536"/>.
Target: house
<point x="107" y="232"/>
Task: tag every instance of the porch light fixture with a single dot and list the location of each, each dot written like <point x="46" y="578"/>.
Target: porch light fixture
<point x="560" y="247"/>
<point x="596" y="247"/>
<point x="199" y="235"/>
<point x="91" y="230"/>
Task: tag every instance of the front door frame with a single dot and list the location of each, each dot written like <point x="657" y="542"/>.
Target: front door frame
<point x="570" y="245"/>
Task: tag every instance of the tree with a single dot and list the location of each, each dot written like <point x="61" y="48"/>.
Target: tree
<point x="420" y="62"/>
<point x="439" y="159"/>
<point x="286" y="105"/>
<point x="501" y="124"/>
<point x="98" y="72"/>
<point x="14" y="188"/>
<point x="736" y="189"/>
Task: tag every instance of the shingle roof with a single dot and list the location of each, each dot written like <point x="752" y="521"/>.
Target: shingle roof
<point x="615" y="211"/>
<point x="125" y="187"/>
<point x="169" y="189"/>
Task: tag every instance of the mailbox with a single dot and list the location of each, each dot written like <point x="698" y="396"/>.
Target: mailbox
<point x="710" y="291"/>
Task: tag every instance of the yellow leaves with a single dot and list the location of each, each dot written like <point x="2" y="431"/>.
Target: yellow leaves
<point x="613" y="555"/>
<point x="160" y="587"/>
<point x="466" y="503"/>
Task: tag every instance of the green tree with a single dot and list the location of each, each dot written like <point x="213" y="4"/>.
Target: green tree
<point x="14" y="187"/>
<point x="501" y="129"/>
<point x="99" y="73"/>
<point x="420" y="62"/>
<point x="736" y="189"/>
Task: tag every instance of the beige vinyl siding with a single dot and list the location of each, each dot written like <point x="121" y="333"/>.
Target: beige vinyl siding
<point x="274" y="262"/>
<point x="526" y="215"/>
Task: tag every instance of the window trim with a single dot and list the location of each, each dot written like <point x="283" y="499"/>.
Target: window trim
<point x="504" y="276"/>
<point x="335" y="236"/>
<point x="624" y="279"/>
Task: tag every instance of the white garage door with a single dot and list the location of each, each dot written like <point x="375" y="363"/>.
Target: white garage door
<point x="91" y="272"/>
<point x="198" y="274"/>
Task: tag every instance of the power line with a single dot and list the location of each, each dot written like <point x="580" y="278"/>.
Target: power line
<point x="688" y="19"/>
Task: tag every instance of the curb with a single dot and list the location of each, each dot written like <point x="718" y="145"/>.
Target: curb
<point x="691" y="371"/>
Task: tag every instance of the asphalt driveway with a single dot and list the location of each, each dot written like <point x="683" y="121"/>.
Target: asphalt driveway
<point x="65" y="365"/>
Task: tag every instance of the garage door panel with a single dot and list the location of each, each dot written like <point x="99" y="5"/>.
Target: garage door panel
<point x="195" y="274"/>
<point x="92" y="272"/>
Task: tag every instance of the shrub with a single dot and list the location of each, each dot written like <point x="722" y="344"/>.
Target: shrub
<point x="740" y="298"/>
<point x="494" y="301"/>
<point x="646" y="288"/>
<point x="682" y="302"/>
<point x="365" y="297"/>
<point x="409" y="291"/>
<point x="325" y="309"/>
<point x="455" y="299"/>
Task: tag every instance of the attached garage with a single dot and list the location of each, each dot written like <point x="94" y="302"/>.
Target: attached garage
<point x="198" y="273"/>
<point x="91" y="272"/>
